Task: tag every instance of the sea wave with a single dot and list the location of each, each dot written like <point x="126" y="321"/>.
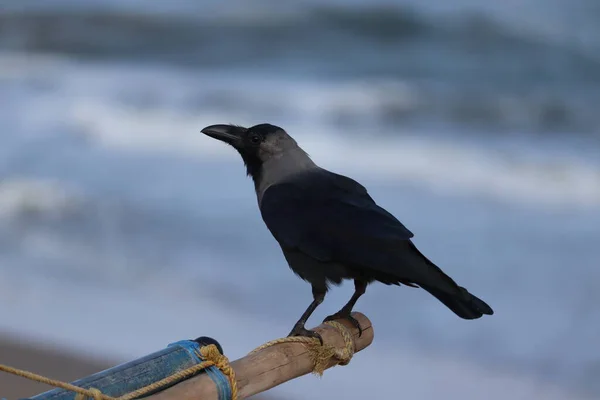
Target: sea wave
<point x="434" y="162"/>
<point x="157" y="110"/>
<point x="463" y="79"/>
<point x="221" y="36"/>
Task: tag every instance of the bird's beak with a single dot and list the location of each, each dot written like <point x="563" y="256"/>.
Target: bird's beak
<point x="226" y="133"/>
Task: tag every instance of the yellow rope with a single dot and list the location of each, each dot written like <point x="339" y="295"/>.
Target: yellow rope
<point x="320" y="356"/>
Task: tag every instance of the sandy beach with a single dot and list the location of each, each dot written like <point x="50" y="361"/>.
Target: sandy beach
<point x="46" y="361"/>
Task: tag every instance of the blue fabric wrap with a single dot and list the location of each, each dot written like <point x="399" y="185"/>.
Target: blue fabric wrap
<point x="221" y="381"/>
<point x="132" y="375"/>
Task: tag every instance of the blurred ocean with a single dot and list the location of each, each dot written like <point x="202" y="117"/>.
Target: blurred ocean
<point x="475" y="123"/>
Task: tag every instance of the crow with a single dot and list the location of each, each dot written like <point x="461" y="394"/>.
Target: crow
<point x="330" y="228"/>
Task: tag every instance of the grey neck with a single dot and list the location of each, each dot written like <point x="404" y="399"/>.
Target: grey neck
<point x="282" y="167"/>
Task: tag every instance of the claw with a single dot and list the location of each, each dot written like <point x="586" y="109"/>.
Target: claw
<point x="347" y="317"/>
<point x="302" y="331"/>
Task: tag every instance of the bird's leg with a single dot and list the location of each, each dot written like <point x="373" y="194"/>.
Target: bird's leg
<point x="299" y="329"/>
<point x="360" y="287"/>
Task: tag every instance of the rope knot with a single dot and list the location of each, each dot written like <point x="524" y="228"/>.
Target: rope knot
<point x="320" y="354"/>
<point x="345" y="355"/>
<point x="211" y="354"/>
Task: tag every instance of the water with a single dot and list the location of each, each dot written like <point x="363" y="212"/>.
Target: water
<point x="475" y="124"/>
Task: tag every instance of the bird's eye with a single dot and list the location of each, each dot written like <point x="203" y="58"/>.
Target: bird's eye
<point x="255" y="139"/>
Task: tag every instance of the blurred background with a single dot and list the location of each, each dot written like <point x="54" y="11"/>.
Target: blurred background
<point x="475" y="122"/>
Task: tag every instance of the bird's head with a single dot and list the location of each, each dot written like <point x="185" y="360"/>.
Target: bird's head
<point x="256" y="144"/>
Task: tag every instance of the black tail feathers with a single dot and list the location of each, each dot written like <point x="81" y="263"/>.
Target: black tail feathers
<point x="462" y="303"/>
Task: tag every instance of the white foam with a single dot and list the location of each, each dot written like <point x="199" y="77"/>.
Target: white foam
<point x="433" y="162"/>
<point x="151" y="131"/>
<point x="36" y="196"/>
<point x="461" y="168"/>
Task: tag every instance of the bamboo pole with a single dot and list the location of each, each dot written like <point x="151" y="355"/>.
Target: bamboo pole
<point x="270" y="367"/>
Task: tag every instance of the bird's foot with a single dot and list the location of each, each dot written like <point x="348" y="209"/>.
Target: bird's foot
<point x="345" y="315"/>
<point x="300" y="330"/>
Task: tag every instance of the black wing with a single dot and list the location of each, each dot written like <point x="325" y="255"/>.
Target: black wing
<point x="332" y="217"/>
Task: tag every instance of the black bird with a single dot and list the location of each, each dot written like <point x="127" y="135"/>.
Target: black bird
<point x="330" y="228"/>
